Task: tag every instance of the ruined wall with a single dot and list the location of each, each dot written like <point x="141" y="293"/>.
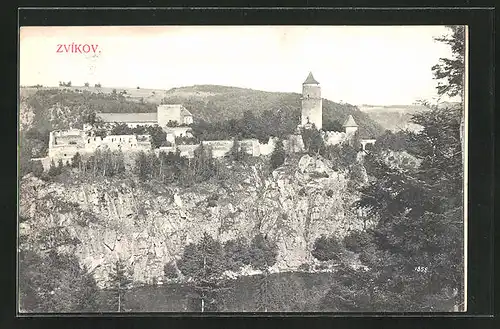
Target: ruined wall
<point x="65" y="144"/>
<point x="334" y="137"/>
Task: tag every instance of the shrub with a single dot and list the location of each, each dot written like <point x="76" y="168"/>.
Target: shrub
<point x="170" y="271"/>
<point x="212" y="200"/>
<point x="326" y="248"/>
<point x="37" y="168"/>
<point x="329" y="193"/>
<point x="263" y="252"/>
<point x="305" y="267"/>
<point x="356" y="241"/>
<point x="237" y="253"/>
<point x="278" y="155"/>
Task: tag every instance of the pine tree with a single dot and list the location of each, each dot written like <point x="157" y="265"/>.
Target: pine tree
<point x="120" y="281"/>
<point x="263" y="255"/>
<point x="204" y="263"/>
<point x="53" y="169"/>
<point x="278" y="155"/>
<point x="415" y="260"/>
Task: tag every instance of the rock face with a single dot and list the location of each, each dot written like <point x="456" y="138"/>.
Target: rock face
<point x="149" y="224"/>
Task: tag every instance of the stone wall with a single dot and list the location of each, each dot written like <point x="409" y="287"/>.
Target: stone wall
<point x="65" y="144"/>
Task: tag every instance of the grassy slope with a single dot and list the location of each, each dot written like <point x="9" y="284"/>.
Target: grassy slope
<point x="61" y="107"/>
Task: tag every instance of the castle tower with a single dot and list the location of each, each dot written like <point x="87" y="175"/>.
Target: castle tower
<point x="312" y="105"/>
<point x="350" y="126"/>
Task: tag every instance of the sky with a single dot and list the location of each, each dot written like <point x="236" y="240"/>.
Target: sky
<point x="377" y="65"/>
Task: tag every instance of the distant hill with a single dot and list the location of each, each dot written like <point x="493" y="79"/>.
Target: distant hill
<point x="213" y="102"/>
<point x="393" y="117"/>
<point x="60" y="107"/>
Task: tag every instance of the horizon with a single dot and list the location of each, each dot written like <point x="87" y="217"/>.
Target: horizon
<point x="191" y="86"/>
<point x="270" y="59"/>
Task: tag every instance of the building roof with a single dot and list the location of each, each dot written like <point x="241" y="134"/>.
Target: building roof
<point x="310" y="80"/>
<point x="128" y="117"/>
<point x="350" y="122"/>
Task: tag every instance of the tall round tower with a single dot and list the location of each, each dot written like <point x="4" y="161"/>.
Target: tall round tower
<point x="312" y="105"/>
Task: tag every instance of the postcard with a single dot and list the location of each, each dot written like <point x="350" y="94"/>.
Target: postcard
<point x="242" y="169"/>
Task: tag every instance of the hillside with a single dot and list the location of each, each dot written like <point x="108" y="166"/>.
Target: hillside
<point x="211" y="103"/>
<point x="393" y="117"/>
<point x="148" y="224"/>
<point x="48" y="108"/>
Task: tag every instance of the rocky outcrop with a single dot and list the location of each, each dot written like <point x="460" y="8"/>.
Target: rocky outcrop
<point x="149" y="224"/>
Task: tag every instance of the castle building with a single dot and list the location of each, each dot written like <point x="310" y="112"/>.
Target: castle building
<point x="350" y="126"/>
<point x="165" y="113"/>
<point x="312" y="105"/>
<point x="172" y="118"/>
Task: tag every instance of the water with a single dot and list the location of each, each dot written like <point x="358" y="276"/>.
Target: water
<point x="284" y="292"/>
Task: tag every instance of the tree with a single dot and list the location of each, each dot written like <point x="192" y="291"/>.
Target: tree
<point x="142" y="166"/>
<point x="263" y="254"/>
<point x="278" y="155"/>
<point x="237" y="253"/>
<point x="204" y="263"/>
<point x="236" y="153"/>
<point x="419" y="232"/>
<point x="158" y="135"/>
<point x="326" y="248"/>
<point x="357" y="241"/>
<point x="450" y="73"/>
<point x="86" y="84"/>
<point x="60" y="166"/>
<point x="119" y="281"/>
<point x="53" y="170"/>
<point x="313" y="141"/>
<point x="76" y="161"/>
<point x="55" y="282"/>
<point x="121" y="129"/>
<point x="37" y="168"/>
<point x="332" y="125"/>
<point x="170" y="271"/>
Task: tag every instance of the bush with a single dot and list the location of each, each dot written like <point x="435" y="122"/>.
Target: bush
<point x="237" y="253"/>
<point x="170" y="271"/>
<point x="37" y="168"/>
<point x="305" y="267"/>
<point x="326" y="248"/>
<point x="356" y="241"/>
<point x="263" y="252"/>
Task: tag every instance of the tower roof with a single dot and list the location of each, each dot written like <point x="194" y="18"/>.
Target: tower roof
<point x="350" y="122"/>
<point x="310" y="80"/>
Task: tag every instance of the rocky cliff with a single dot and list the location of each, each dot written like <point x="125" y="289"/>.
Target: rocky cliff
<point x="149" y="224"/>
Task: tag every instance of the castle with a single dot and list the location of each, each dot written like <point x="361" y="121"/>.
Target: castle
<point x="312" y="104"/>
<point x="175" y="120"/>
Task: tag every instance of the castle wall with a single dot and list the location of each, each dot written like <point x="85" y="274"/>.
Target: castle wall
<point x="334" y="137"/>
<point x="65" y="144"/>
